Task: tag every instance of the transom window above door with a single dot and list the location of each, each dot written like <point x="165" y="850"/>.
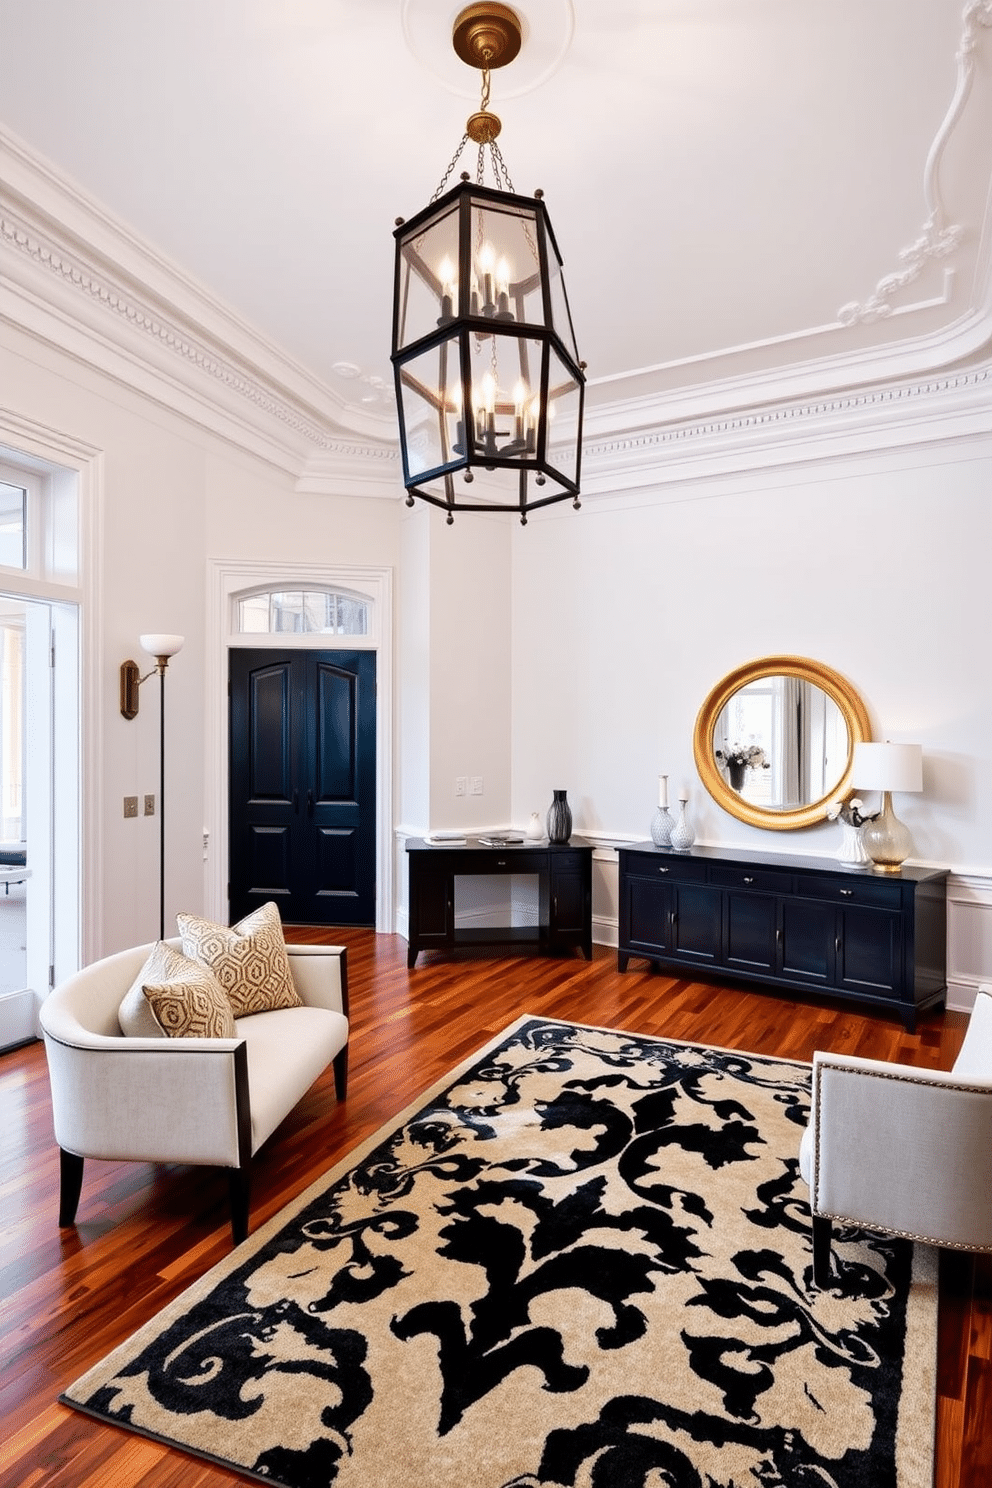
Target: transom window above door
<point x="303" y="612"/>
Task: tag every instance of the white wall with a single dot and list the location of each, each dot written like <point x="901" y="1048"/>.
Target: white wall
<point x="879" y="569"/>
<point x="163" y="497"/>
<point x="877" y="566"/>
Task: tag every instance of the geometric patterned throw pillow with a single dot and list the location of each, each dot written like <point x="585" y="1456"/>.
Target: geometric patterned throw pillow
<point x="249" y="959"/>
<point x="174" y="997"/>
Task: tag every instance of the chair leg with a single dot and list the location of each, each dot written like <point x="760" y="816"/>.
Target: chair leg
<point x="70" y="1186"/>
<point x="240" y="1185"/>
<point x="341" y="1073"/>
<point x="822" y="1228"/>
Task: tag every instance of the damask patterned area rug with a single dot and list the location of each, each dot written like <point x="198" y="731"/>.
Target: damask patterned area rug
<point x="581" y="1261"/>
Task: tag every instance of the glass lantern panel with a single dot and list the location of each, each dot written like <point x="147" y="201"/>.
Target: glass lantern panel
<point x="564" y="409"/>
<point x="560" y="316"/>
<point x="506" y="379"/>
<point x="506" y="274"/>
<point x="427" y="266"/>
<point x="429" y="386"/>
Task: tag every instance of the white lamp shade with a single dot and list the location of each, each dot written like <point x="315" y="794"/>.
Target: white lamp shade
<point x="888" y="767"/>
<point x="161" y="645"/>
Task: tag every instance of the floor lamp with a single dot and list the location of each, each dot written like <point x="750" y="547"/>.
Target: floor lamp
<point x="161" y="647"/>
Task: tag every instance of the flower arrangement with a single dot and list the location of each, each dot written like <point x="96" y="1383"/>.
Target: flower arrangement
<point x="746" y="756"/>
<point x="852" y="812"/>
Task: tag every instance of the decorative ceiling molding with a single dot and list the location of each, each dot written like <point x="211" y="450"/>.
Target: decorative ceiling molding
<point x="167" y="329"/>
<point x="938" y="238"/>
<point x="957" y="405"/>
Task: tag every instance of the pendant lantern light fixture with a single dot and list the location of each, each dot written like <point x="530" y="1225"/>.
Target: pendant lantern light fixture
<point x="489" y="386"/>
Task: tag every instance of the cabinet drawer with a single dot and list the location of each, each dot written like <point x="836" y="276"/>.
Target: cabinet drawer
<point x="769" y="880"/>
<point x="652" y="865"/>
<point x="505" y="860"/>
<point x="852" y="891"/>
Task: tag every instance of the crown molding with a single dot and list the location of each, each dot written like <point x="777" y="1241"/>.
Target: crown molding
<point x="80" y="280"/>
<point x="951" y="406"/>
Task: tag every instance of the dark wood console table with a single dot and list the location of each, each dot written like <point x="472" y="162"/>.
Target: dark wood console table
<point x="801" y="923"/>
<point x="564" y="872"/>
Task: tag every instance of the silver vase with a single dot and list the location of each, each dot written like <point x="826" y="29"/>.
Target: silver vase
<point x="661" y="827"/>
<point x="682" y="834"/>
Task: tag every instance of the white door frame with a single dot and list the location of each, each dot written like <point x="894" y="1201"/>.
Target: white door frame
<point x="226" y="580"/>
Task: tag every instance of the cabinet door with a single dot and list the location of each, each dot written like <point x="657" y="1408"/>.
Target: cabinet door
<point x="807" y="946"/>
<point x="569" y="922"/>
<point x="751" y="943"/>
<point x="869" y="953"/>
<point x="646" y="912"/>
<point x="432" y="920"/>
<point x="568" y="900"/>
<point x="696" y="926"/>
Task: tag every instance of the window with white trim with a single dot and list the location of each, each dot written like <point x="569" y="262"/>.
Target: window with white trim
<point x="303" y="612"/>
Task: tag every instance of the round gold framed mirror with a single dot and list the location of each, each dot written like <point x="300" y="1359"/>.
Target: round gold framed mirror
<point x="774" y="741"/>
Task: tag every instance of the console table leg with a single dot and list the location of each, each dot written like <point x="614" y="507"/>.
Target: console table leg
<point x="411" y="958"/>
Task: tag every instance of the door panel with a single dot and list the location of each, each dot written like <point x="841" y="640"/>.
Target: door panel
<point x="808" y="936"/>
<point x="270" y="750"/>
<point x="270" y="861"/>
<point x="697" y="923"/>
<point x="751" y="928"/>
<point x="337" y="739"/>
<point x="302" y="791"/>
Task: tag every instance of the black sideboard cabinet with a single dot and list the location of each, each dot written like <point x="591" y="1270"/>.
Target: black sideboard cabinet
<point x="801" y="923"/>
<point x="564" y="872"/>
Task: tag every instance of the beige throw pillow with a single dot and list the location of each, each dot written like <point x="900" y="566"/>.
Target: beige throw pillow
<point x="175" y="997"/>
<point x="248" y="959"/>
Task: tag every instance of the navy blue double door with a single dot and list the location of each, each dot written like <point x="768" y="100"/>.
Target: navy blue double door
<point x="302" y="785"/>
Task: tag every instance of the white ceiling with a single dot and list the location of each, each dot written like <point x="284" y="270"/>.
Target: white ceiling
<point x="723" y="176"/>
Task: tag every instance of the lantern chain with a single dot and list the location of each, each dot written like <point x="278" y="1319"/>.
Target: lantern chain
<point x="454" y="161"/>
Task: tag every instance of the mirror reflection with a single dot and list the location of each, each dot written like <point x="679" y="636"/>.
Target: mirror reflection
<point x="774" y="741"/>
<point x="781" y="743"/>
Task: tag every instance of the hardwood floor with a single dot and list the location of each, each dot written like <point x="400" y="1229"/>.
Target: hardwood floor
<point x="144" y="1233"/>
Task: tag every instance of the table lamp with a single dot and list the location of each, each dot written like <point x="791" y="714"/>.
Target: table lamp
<point x="887" y="768"/>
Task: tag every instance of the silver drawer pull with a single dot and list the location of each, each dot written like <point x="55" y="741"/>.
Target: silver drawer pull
<point x="847" y="893"/>
<point x="500" y="862"/>
<point x="662" y="870"/>
<point x="748" y="880"/>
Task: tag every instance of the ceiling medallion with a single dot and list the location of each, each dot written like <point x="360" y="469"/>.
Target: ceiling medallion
<point x="489" y="386"/>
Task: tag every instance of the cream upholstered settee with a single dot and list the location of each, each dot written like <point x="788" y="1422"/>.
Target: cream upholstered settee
<point x="186" y="1100"/>
<point x="904" y="1150"/>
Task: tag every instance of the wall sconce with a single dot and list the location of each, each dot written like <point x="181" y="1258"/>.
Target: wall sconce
<point x="161" y="647"/>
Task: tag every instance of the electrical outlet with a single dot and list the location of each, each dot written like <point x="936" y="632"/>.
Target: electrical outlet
<point x="130" y="805"/>
<point x="477" y="785"/>
<point x="149" y="805"/>
<point x="460" y="784"/>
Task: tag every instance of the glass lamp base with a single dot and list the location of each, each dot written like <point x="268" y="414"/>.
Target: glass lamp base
<point x="887" y="841"/>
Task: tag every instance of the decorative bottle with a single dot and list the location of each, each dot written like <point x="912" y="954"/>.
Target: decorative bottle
<point x="535" y="828"/>
<point x="559" y="818"/>
<point x="661" y="827"/>
<point x="682" y="834"/>
<point x="663" y="821"/>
